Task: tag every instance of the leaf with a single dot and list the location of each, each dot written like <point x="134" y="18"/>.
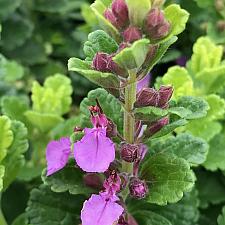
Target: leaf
<point x="14" y="159"/>
<point x="217" y="107"/>
<point x="177" y="17"/>
<point x="133" y="57"/>
<point x="204" y="128"/>
<point x="205" y="55"/>
<point x="192" y="107"/>
<point x="7" y="7"/>
<point x="186" y="146"/>
<point x="21" y="220"/>
<point x="138" y="11"/>
<point x="145" y="217"/>
<point x="106" y="80"/>
<point x="206" y="195"/>
<point x="14" y="107"/>
<point x="99" y="8"/>
<point x="150" y="113"/>
<point x="99" y="41"/>
<point x="169" y="177"/>
<point x="2" y="173"/>
<point x="46" y="207"/>
<point x="43" y="121"/>
<point x="110" y="105"/>
<point x="181" y="81"/>
<point x="221" y="218"/>
<point x="17" y="30"/>
<point x="69" y="179"/>
<point x="216" y="157"/>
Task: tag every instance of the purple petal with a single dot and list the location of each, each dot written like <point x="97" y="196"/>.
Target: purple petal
<point x="57" y="155"/>
<point x="98" y="211"/>
<point x="94" y="152"/>
<point x="144" y="83"/>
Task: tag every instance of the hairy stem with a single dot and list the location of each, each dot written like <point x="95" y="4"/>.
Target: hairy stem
<point x="129" y="121"/>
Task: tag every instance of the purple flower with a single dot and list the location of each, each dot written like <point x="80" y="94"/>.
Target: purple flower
<point x="144" y="83"/>
<point x="94" y="152"/>
<point x="101" y="210"/>
<point x="57" y="155"/>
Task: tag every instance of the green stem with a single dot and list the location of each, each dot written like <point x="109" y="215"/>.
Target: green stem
<point x="129" y="121"/>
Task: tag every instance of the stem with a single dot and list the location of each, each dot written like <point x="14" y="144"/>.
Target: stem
<point x="129" y="121"/>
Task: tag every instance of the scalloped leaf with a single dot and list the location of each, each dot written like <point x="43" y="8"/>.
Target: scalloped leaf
<point x="99" y="41"/>
<point x="46" y="207"/>
<point x="138" y="11"/>
<point x="181" y="81"/>
<point x="106" y="80"/>
<point x="186" y="146"/>
<point x="134" y="56"/>
<point x="169" y="177"/>
<point x="99" y="8"/>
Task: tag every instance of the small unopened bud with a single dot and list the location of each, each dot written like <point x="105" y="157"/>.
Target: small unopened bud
<point x="156" y="25"/>
<point x="132" y="34"/>
<point x="138" y="188"/>
<point x="221" y="25"/>
<point x="129" y="152"/>
<point x="157" y="126"/>
<point x="120" y="11"/>
<point x="93" y="180"/>
<point x="115" y="68"/>
<point x="165" y="94"/>
<point x="100" y="62"/>
<point x="220" y="5"/>
<point x="147" y="97"/>
<point x="108" y="14"/>
<point x="111" y="130"/>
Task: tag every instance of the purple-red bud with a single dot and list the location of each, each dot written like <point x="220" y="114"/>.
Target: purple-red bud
<point x="108" y="14"/>
<point x="165" y="94"/>
<point x="132" y="34"/>
<point x="93" y="180"/>
<point x="138" y="188"/>
<point x="101" y="62"/>
<point x="157" y="126"/>
<point x="111" y="130"/>
<point x="157" y="26"/>
<point x="115" y="68"/>
<point x="130" y="152"/>
<point x="120" y="11"/>
<point x="147" y="97"/>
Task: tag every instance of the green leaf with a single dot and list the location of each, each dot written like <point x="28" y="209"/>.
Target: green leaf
<point x="106" y="80"/>
<point x="99" y="41"/>
<point x="7" y="7"/>
<point x="217" y="107"/>
<point x="221" y="218"/>
<point x="205" y="55"/>
<point x="110" y="105"/>
<point x="138" y="11"/>
<point x="69" y="179"/>
<point x="43" y="121"/>
<point x="133" y="57"/>
<point x="14" y="107"/>
<point x="2" y="173"/>
<point x="206" y="195"/>
<point x="186" y="146"/>
<point x="216" y="157"/>
<point x="179" y="78"/>
<point x="169" y="177"/>
<point x="204" y="3"/>
<point x="46" y="207"/>
<point x="145" y="217"/>
<point x="21" y="220"/>
<point x="177" y="17"/>
<point x="190" y="108"/>
<point x="150" y="113"/>
<point x="204" y="128"/>
<point x="99" y="8"/>
<point x="14" y="159"/>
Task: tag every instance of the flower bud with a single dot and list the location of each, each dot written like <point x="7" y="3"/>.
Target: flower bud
<point x="120" y="11"/>
<point x="93" y="180"/>
<point x="156" y="25"/>
<point x="219" y="5"/>
<point x="157" y="126"/>
<point x="165" y="94"/>
<point x="129" y="152"/>
<point x="132" y="34"/>
<point x="221" y="25"/>
<point x="138" y="188"/>
<point x="108" y="14"/>
<point x="100" y="62"/>
<point x="111" y="130"/>
<point x="147" y="97"/>
<point x="115" y="68"/>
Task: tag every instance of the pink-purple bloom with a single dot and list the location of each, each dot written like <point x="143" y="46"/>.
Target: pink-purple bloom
<point x="57" y="155"/>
